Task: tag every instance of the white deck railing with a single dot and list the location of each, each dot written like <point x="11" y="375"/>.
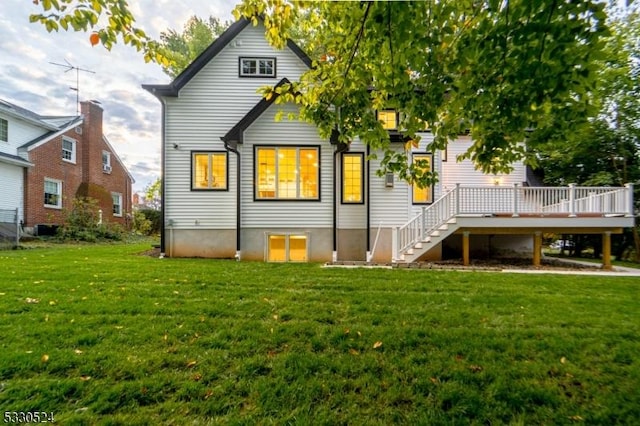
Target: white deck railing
<point x="512" y="201"/>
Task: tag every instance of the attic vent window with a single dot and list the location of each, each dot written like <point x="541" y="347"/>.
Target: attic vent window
<point x="4" y="130"/>
<point x="257" y="67"/>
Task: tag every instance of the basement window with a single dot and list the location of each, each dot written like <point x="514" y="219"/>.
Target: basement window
<point x="287" y="248"/>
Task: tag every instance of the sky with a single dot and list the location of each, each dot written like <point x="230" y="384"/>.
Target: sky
<point x="131" y="115"/>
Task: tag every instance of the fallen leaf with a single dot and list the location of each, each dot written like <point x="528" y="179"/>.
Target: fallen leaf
<point x="434" y="380"/>
<point x="475" y="368"/>
<point x="347" y="331"/>
<point x="377" y="344"/>
<point x="44" y="358"/>
<point x="275" y="317"/>
<point x="78" y="352"/>
<point x="208" y="394"/>
<point x="563" y="360"/>
<point x="353" y="352"/>
<point x="197" y="377"/>
<point x="30" y="300"/>
<point x="85" y="378"/>
<point x="576" y="418"/>
<point x="191" y="364"/>
<point x="52" y="302"/>
<point x="359" y="334"/>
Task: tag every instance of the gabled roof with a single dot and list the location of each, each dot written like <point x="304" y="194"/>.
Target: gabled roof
<point x="117" y="157"/>
<point x="52" y="134"/>
<point x="236" y="134"/>
<point x="14" y="159"/>
<point x="49" y="123"/>
<point x="172" y="89"/>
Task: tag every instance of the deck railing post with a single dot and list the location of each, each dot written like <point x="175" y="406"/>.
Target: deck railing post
<point x="572" y="200"/>
<point x="515" y="200"/>
<point x="394" y="244"/>
<point x="629" y="188"/>
<point x="457" y="199"/>
<point x="424" y="223"/>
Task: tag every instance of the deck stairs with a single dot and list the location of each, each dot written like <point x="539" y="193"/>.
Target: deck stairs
<point x="441" y="219"/>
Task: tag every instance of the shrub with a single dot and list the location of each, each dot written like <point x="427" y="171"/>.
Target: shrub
<point x="152" y="218"/>
<point x="82" y="223"/>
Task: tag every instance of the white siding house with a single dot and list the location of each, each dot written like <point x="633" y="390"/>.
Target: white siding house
<point x="239" y="183"/>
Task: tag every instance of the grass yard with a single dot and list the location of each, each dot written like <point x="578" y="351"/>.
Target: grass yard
<point x="102" y="335"/>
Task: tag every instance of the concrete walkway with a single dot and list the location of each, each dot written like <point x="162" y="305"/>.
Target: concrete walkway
<point x="596" y="269"/>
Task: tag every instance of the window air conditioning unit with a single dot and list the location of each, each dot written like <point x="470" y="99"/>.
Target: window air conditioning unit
<point x="106" y="168"/>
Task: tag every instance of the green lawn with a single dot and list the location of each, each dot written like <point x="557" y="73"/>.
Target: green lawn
<point x="102" y="335"/>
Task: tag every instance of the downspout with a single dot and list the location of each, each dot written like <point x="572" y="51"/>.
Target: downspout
<point x="162" y="180"/>
<point x="238" y="200"/>
<point x="368" y="198"/>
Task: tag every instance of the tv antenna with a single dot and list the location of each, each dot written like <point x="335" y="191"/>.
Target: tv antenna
<point x="70" y="67"/>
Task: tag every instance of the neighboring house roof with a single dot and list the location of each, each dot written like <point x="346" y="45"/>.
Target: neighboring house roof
<point x="52" y="134"/>
<point x="173" y="88"/>
<point x="236" y="134"/>
<point x="14" y="159"/>
<point x="50" y="123"/>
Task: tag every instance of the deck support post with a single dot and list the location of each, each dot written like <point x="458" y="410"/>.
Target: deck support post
<point x="537" y="248"/>
<point x="606" y="251"/>
<point x="465" y="248"/>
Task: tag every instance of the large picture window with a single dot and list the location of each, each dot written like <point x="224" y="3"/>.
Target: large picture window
<point x="287" y="173"/>
<point x="209" y="170"/>
<point x="352" y="178"/>
<point x="423" y="195"/>
<point x="257" y="67"/>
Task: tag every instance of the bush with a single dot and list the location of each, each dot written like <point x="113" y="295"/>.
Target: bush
<point x="147" y="221"/>
<point x="82" y="223"/>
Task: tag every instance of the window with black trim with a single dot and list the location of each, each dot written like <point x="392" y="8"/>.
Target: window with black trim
<point x="423" y="195"/>
<point x="287" y="173"/>
<point x="353" y="178"/>
<point x="257" y="67"/>
<point x="4" y="130"/>
<point x="389" y="119"/>
<point x="209" y="170"/>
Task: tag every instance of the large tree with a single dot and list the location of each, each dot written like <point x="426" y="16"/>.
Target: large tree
<point x="181" y="48"/>
<point x="505" y="70"/>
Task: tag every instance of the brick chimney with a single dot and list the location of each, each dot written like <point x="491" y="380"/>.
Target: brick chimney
<point x="92" y="138"/>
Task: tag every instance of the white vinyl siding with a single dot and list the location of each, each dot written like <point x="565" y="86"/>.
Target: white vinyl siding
<point x="11" y="195"/>
<point x="19" y="133"/>
<point x="465" y="173"/>
<point x="208" y="107"/>
<point x="313" y="213"/>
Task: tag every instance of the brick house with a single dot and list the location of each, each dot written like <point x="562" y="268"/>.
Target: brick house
<point x="63" y="158"/>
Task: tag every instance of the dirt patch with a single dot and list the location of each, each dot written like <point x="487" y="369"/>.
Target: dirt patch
<point x="154" y="252"/>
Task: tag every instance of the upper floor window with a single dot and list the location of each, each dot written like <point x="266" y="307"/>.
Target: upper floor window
<point x="209" y="170"/>
<point x="69" y="149"/>
<point x="352" y="178"/>
<point x="106" y="161"/>
<point x="257" y="67"/>
<point x="389" y="119"/>
<point x="287" y="173"/>
<point x="117" y="203"/>
<point x="4" y="130"/>
<point x="52" y="193"/>
<point x="423" y="195"/>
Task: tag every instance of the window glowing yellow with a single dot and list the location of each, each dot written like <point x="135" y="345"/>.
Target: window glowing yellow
<point x="352" y="187"/>
<point x="389" y="119"/>
<point x="423" y="195"/>
<point x="277" y="248"/>
<point x="287" y="173"/>
<point x="287" y="248"/>
<point x="210" y="170"/>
